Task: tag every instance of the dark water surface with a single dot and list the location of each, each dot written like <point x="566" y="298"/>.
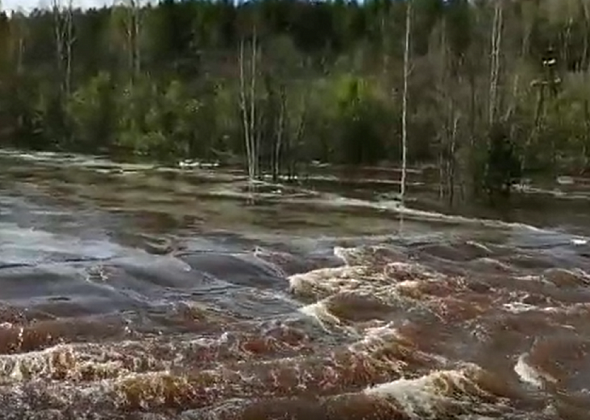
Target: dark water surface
<point x="135" y="292"/>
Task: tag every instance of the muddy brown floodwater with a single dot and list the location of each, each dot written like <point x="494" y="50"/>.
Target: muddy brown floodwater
<point x="137" y="292"/>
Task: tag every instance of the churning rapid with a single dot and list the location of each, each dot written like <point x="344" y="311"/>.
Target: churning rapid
<point x="131" y="292"/>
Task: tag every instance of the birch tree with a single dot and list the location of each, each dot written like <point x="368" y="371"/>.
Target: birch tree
<point x="132" y="28"/>
<point x="64" y="41"/>
<point x="18" y="33"/>
<point x="497" y="27"/>
<point x="407" y="47"/>
<point x="248" y="93"/>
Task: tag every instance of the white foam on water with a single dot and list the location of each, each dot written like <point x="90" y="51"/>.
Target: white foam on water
<point x="395" y="206"/>
<point x="424" y="397"/>
<point x="75" y="160"/>
<point x="320" y="313"/>
<point x="520" y="307"/>
<point x="557" y="193"/>
<point x="531" y="375"/>
<point x="327" y="281"/>
<point x="341" y="253"/>
<point x="479" y="246"/>
<point x="17" y="367"/>
<point x="233" y="191"/>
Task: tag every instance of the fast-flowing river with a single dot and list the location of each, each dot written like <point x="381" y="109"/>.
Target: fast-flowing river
<point x="136" y="292"/>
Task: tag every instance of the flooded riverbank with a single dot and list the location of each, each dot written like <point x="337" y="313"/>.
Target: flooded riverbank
<point x="136" y="292"/>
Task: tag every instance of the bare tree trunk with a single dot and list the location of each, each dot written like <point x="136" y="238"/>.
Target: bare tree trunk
<point x="405" y="101"/>
<point x="137" y="33"/>
<point x="516" y="83"/>
<point x="255" y="135"/>
<point x="244" y="110"/>
<point x="452" y="159"/>
<point x="472" y="108"/>
<point x="586" y="143"/>
<point x="448" y="147"/>
<point x="59" y="42"/>
<point x="567" y="41"/>
<point x="586" y="15"/>
<point x="63" y="27"/>
<point x="495" y="59"/>
<point x="58" y="35"/>
<point x="17" y="29"/>
<point x="248" y="108"/>
<point x="276" y="167"/>
<point x="133" y="34"/>
<point x="536" y="122"/>
<point x="69" y="30"/>
<point x="585" y="69"/>
<point x="443" y="86"/>
<point x="441" y="167"/>
<point x="384" y="52"/>
<point x="296" y="142"/>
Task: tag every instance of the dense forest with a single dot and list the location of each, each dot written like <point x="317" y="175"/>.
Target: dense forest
<point x="493" y="89"/>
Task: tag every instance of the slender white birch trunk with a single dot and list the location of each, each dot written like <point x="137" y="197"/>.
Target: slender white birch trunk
<point x="405" y="101"/>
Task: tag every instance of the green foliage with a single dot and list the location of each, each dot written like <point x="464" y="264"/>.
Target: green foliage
<point x="358" y="118"/>
<point x="92" y="110"/>
<point x="157" y="121"/>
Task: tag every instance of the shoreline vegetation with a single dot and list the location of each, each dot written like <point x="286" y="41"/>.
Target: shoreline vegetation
<point x="487" y="91"/>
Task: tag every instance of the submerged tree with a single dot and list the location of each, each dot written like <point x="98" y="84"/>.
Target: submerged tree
<point x="248" y="95"/>
<point x="407" y="47"/>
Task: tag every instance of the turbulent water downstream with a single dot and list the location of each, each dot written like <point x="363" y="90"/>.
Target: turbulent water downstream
<point x="131" y="292"/>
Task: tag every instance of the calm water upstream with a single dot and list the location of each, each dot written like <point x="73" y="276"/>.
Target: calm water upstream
<point x="135" y="292"/>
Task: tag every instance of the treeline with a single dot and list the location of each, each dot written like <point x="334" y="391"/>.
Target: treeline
<point x="495" y="88"/>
